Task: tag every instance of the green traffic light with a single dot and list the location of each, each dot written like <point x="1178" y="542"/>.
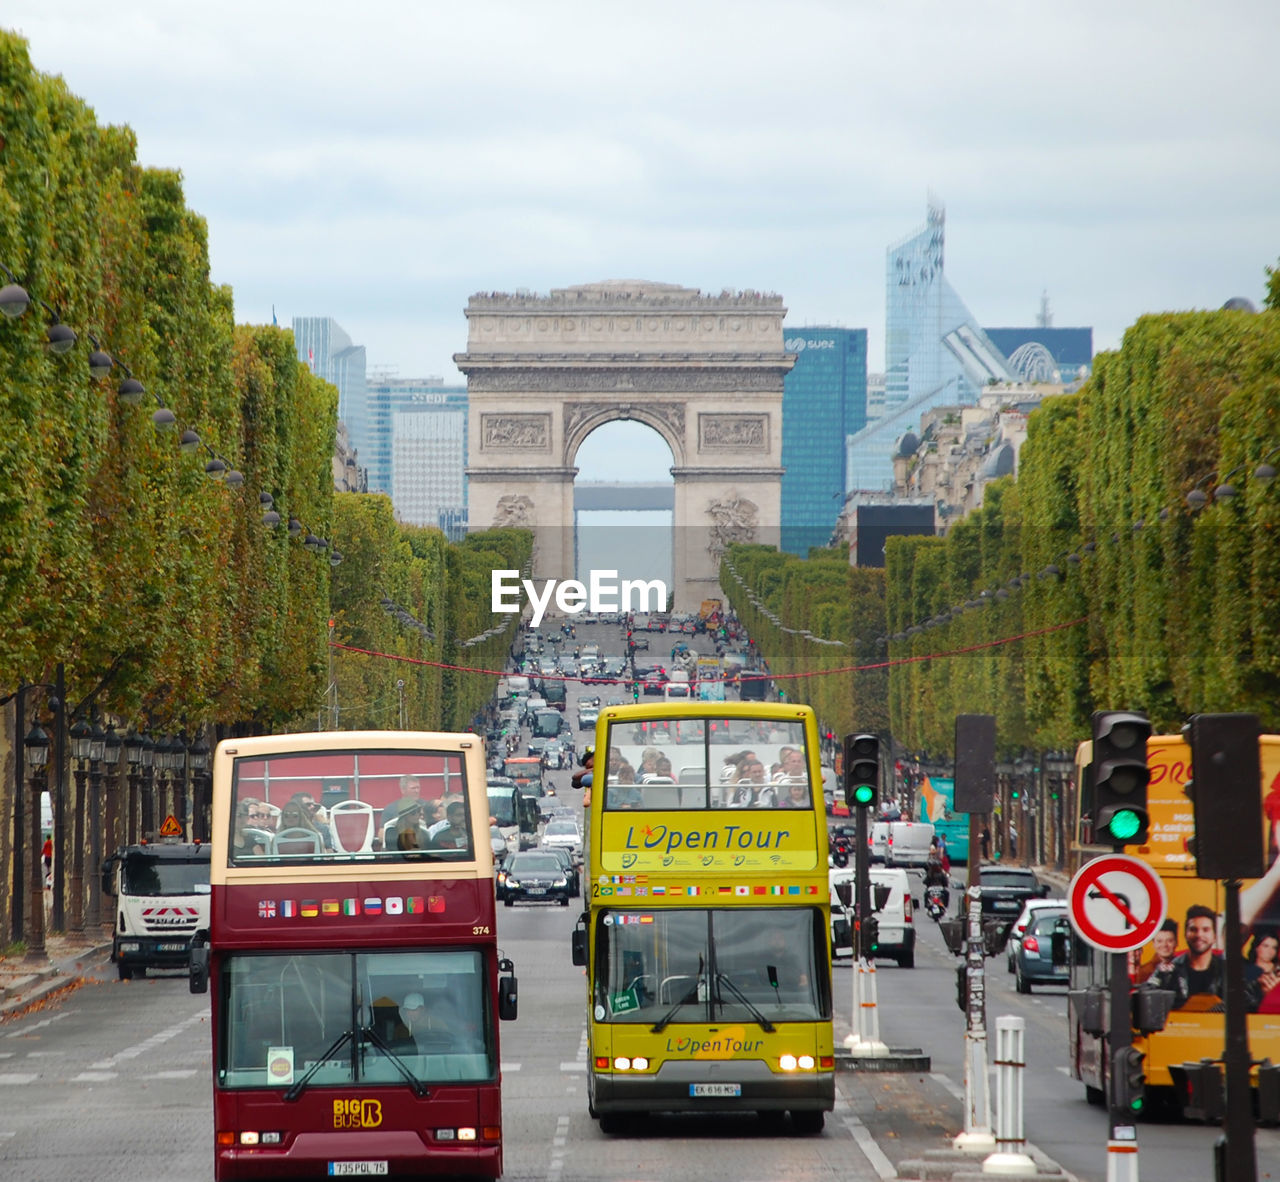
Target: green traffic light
<point x="1124" y="824"/>
<point x="864" y="794"/>
<point x="1135" y="1105"/>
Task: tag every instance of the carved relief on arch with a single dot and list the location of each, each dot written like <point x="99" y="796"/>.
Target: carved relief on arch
<point x="581" y="418"/>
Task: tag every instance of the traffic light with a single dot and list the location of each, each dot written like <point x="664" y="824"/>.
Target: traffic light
<point x="1120" y="777"/>
<point x="1226" y="795"/>
<point x="1128" y="1080"/>
<point x="861" y="771"/>
<point x="870" y="929"/>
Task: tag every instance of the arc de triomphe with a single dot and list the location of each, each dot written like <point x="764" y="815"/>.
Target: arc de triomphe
<point x="705" y="372"/>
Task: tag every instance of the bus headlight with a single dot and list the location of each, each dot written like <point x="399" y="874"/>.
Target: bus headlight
<point x="805" y="1062"/>
<point x="622" y="1063"/>
<point x="640" y="1063"/>
<point x="787" y="1062"/>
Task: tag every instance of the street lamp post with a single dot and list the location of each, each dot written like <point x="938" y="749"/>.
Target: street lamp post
<point x="198" y="761"/>
<point x="148" y="788"/>
<point x="133" y="757"/>
<point x="80" y="736"/>
<point x="97" y="752"/>
<point x="36" y="749"/>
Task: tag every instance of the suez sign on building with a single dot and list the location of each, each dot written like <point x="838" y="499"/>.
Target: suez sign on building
<point x="800" y="344"/>
<point x="604" y="592"/>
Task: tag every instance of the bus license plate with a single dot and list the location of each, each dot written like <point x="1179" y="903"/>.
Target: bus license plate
<point x="715" y="1089"/>
<point x="356" y="1169"/>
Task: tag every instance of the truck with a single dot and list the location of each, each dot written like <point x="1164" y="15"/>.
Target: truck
<point x="161" y="895"/>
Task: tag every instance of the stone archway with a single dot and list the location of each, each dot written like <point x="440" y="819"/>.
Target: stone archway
<point x="705" y="372"/>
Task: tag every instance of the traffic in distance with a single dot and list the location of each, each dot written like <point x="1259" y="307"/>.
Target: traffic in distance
<point x="354" y="851"/>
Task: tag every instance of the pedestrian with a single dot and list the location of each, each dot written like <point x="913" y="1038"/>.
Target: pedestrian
<point x="985" y="840"/>
<point x="46" y="856"/>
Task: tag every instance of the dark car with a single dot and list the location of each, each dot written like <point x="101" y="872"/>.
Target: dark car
<point x="1035" y="962"/>
<point x="535" y="877"/>
<point x="570" y="868"/>
<point x="1004" y="889"/>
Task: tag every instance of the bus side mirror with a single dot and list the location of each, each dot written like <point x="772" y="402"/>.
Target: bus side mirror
<point x="508" y="992"/>
<point x="198" y="971"/>
<point x="578" y="945"/>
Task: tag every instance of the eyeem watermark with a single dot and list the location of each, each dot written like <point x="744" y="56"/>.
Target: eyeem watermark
<point x="604" y="593"/>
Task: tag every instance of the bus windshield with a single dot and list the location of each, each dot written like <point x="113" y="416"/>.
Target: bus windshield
<point x="149" y="874"/>
<point x="329" y="806"/>
<point x="743" y="965"/>
<point x="685" y="762"/>
<point x="354" y="1018"/>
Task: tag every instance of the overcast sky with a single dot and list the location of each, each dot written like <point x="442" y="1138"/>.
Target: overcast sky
<point x="380" y="162"/>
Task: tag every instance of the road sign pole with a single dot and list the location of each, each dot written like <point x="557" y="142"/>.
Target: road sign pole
<point x="977" y="1136"/>
<point x="1122" y="1139"/>
<point x="1241" y="1159"/>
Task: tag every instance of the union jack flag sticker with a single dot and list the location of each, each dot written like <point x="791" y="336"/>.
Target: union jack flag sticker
<point x="266" y="909"/>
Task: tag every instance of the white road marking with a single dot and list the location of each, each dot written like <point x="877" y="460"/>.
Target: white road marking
<point x="95" y="1077"/>
<point x="510" y="1067"/>
<point x="25" y="1030"/>
<point x="161" y="1036"/>
<point x="556" y="1166"/>
<point x="18" y="1077"/>
<point x="187" y="1074"/>
<point x="574" y="1066"/>
<point x="870" y="1150"/>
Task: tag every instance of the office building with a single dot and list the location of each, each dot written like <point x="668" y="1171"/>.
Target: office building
<point x="824" y="400"/>
<point x="418" y="449"/>
<point x="324" y="346"/>
<point x="936" y="353"/>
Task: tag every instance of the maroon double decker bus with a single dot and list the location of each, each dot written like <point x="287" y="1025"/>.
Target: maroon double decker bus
<point x="352" y="958"/>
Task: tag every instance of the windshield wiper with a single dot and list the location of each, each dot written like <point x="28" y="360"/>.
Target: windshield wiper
<point x="765" y="1024"/>
<point x="294" y="1092"/>
<point x="691" y="995"/>
<point x="419" y="1088"/>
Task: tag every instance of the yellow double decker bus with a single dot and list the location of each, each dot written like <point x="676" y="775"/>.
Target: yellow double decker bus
<point x="706" y="935"/>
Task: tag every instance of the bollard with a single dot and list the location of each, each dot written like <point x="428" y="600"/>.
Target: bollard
<point x="864" y="1039"/>
<point x="1010" y="1156"/>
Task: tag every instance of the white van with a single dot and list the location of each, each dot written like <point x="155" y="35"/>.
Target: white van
<point x="897" y="933"/>
<point x="908" y="843"/>
<point x="879" y="841"/>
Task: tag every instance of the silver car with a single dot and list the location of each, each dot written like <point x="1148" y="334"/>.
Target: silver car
<point x="565" y="834"/>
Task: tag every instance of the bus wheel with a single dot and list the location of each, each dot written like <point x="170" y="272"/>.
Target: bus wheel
<point x="1095" y="1096"/>
<point x="124" y="971"/>
<point x="808" y="1122"/>
<point x="610" y="1123"/>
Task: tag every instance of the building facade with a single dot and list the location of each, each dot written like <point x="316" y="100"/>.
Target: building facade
<point x="936" y="353"/>
<point x="326" y="349"/>
<point x="428" y="463"/>
<point x="824" y="401"/>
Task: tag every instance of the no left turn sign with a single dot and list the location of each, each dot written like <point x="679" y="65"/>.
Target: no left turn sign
<point x="1117" y="903"/>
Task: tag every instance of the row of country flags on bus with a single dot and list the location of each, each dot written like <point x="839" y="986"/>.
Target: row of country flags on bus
<point x="611" y="886"/>
<point x="312" y="908"/>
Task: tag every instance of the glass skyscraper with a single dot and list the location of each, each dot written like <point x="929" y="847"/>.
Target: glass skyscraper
<point x="824" y="400"/>
<point x="418" y="449"/>
<point x="936" y="353"/>
<point x="327" y="350"/>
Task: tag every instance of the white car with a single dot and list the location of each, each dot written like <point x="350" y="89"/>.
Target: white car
<point x="1020" y="925"/>
<point x="897" y="933"/>
<point x="565" y="834"/>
